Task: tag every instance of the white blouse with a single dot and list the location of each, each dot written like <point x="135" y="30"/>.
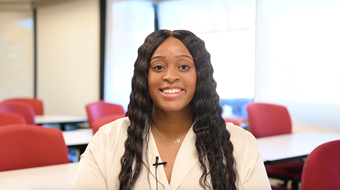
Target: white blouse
<point x="99" y="166"/>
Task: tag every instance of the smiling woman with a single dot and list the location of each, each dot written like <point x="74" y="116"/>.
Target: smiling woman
<point x="175" y="120"/>
<point x="172" y="77"/>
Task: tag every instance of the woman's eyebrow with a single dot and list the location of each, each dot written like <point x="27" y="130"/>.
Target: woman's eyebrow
<point x="178" y="56"/>
<point x="157" y="57"/>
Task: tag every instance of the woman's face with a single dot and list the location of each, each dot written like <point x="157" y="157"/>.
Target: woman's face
<point x="172" y="76"/>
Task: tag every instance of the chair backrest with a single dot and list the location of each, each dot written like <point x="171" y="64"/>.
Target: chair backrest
<point x="34" y="102"/>
<point x="11" y="118"/>
<point x="268" y="119"/>
<point x="322" y="168"/>
<point x="27" y="146"/>
<point x="232" y="120"/>
<point x="19" y="108"/>
<point x="100" y="109"/>
<point x="102" y="121"/>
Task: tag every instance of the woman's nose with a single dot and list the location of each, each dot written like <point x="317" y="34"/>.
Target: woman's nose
<point x="171" y="75"/>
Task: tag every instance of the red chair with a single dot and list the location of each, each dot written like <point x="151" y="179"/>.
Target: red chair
<point x="100" y="109"/>
<point x="232" y="120"/>
<point x="27" y="146"/>
<point x="268" y="120"/>
<point x="11" y="118"/>
<point x="322" y="168"/>
<point x="34" y="102"/>
<point x="102" y="121"/>
<point x="19" y="108"/>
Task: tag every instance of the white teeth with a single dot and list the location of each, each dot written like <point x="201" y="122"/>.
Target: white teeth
<point x="171" y="91"/>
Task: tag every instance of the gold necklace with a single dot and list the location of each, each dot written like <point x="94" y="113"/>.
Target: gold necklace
<point x="177" y="141"/>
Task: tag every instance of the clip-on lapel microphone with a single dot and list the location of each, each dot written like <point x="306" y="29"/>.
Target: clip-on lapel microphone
<point x="156" y="164"/>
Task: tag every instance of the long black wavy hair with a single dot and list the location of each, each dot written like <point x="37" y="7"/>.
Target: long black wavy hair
<point x="213" y="145"/>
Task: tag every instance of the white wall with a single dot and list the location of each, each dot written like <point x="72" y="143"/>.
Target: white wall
<point x="68" y="56"/>
<point x="16" y="52"/>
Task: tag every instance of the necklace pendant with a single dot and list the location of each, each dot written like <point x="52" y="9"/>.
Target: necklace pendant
<point x="178" y="141"/>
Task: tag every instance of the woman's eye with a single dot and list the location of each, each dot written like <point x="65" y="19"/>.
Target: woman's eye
<point x="184" y="67"/>
<point x="158" y="67"/>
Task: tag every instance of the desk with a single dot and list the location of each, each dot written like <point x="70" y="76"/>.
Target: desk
<point x="77" y="137"/>
<point x="274" y="149"/>
<point x="282" y="148"/>
<point x="48" y="177"/>
<point x="58" y="119"/>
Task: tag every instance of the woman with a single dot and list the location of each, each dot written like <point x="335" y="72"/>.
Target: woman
<point x="174" y="116"/>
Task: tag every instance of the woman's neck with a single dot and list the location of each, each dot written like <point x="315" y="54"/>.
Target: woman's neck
<point x="172" y="124"/>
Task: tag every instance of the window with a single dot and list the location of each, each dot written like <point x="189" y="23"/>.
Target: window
<point x="226" y="26"/>
<point x="128" y="23"/>
<point x="298" y="59"/>
<point x="16" y="54"/>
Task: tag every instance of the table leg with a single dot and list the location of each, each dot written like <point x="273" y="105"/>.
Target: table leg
<point x="62" y="126"/>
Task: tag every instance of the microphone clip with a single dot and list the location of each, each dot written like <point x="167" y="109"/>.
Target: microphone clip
<point x="158" y="163"/>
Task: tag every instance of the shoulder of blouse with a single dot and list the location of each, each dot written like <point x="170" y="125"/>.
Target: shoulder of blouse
<point x="119" y="125"/>
<point x="242" y="140"/>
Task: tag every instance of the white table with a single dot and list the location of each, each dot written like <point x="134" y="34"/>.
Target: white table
<point x="274" y="149"/>
<point x="77" y="137"/>
<point x="56" y="177"/>
<point x="281" y="148"/>
<point x="58" y="119"/>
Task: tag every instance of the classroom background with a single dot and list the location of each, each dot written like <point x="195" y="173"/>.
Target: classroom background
<point x="72" y="52"/>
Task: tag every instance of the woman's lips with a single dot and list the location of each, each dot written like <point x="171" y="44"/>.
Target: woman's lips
<point x="172" y="92"/>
